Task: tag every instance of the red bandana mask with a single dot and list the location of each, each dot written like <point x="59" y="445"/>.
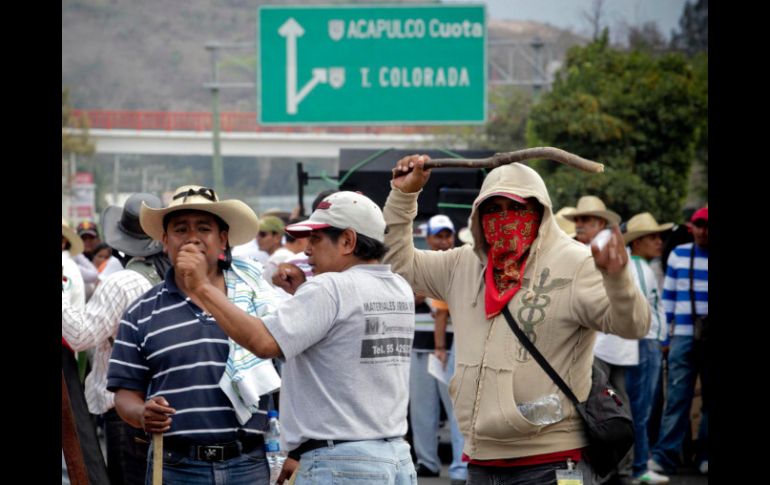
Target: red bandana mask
<point x="509" y="235"/>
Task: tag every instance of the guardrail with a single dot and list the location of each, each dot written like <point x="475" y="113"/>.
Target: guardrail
<point x="243" y="122"/>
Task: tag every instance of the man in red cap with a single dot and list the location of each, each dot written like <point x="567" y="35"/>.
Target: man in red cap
<point x="685" y="299"/>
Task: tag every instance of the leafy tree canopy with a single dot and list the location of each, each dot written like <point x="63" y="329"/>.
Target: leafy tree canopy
<point x="639" y="114"/>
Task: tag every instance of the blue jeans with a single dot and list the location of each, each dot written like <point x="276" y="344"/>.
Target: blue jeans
<point x="544" y="474"/>
<point x="684" y="364"/>
<point x="641" y="386"/>
<point x="126" y="457"/>
<point x="178" y="468"/>
<point x="375" y="462"/>
<point x="426" y="394"/>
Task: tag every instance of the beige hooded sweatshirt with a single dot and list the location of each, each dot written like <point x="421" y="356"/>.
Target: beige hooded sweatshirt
<point x="563" y="300"/>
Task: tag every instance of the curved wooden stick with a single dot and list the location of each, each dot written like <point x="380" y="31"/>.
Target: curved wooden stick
<point x="548" y="153"/>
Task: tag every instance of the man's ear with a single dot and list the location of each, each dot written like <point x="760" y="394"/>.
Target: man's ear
<point x="347" y="241"/>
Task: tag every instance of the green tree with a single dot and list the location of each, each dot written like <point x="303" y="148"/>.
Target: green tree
<point x="693" y="34"/>
<point x="693" y="39"/>
<point x="639" y="115"/>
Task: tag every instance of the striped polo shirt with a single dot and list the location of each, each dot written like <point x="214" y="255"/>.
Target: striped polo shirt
<point x="167" y="346"/>
<point x="676" y="286"/>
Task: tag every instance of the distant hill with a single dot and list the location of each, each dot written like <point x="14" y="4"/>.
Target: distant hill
<point x="150" y="54"/>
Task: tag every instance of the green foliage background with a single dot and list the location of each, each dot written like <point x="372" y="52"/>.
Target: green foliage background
<point x="640" y="114"/>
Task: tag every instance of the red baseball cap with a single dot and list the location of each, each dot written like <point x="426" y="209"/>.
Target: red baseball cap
<point x="702" y="213"/>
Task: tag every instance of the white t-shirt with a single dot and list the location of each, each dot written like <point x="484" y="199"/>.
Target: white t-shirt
<point x="617" y="350"/>
<point x="279" y="256"/>
<point x="113" y="266"/>
<point x="250" y="250"/>
<point x="347" y="339"/>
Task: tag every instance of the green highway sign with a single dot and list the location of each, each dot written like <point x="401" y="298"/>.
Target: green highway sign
<point x="372" y="65"/>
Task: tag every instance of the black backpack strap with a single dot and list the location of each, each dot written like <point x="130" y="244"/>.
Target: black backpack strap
<point x="527" y="343"/>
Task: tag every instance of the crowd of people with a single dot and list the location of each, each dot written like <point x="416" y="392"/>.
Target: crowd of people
<point x="193" y="320"/>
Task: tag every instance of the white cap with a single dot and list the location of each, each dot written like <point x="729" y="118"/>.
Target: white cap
<point x="438" y="223"/>
<point x="344" y="210"/>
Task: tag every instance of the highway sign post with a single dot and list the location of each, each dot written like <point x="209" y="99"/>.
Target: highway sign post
<point x="372" y="65"/>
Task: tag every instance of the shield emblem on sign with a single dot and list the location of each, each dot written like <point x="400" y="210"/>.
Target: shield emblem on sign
<point x="336" y="29"/>
<point x="336" y="77"/>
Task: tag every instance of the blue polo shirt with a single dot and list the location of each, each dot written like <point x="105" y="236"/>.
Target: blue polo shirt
<point x="168" y="346"/>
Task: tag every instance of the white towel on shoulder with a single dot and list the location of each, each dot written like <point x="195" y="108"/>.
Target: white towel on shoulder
<point x="246" y="376"/>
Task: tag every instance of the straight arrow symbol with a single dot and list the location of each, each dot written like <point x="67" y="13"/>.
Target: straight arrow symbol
<point x="291" y="30"/>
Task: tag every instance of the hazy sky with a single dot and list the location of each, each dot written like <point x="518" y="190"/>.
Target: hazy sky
<point x="569" y="13"/>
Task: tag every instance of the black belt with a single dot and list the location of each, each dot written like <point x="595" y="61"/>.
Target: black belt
<point x="312" y="444"/>
<point x="217" y="451"/>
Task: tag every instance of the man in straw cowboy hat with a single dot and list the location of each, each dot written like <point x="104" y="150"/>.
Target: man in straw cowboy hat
<point x="346" y="337"/>
<point x="97" y="326"/>
<point x="685" y="298"/>
<point x="565" y="224"/>
<point x="591" y="216"/>
<point x="643" y="237"/>
<point x="558" y="291"/>
<point x="173" y="369"/>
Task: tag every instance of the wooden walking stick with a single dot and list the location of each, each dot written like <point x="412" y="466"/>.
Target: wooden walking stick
<point x="157" y="459"/>
<point x="498" y="159"/>
<point x="70" y="444"/>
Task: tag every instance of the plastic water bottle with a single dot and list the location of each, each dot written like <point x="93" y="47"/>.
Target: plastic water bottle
<point x="273" y="452"/>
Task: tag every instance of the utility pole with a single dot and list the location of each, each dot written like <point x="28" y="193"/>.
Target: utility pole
<point x="115" y="180"/>
<point x="539" y="77"/>
<point x="217" y="169"/>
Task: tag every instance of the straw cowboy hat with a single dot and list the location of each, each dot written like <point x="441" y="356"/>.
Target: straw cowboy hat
<point x="642" y="225"/>
<point x="590" y="205"/>
<point x="565" y="224"/>
<point x="76" y="244"/>
<point x="122" y="230"/>
<point x="243" y="222"/>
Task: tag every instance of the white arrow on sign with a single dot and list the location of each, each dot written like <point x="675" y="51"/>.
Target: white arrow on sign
<point x="291" y="30"/>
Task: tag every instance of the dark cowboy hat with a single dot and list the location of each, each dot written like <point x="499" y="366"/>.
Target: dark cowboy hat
<point x="122" y="230"/>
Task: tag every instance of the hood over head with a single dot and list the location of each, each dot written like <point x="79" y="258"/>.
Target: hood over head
<point x="517" y="181"/>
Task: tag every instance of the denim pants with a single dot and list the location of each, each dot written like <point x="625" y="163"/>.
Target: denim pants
<point x="373" y="462"/>
<point x="126" y="451"/>
<point x="179" y="469"/>
<point x="543" y="474"/>
<point x="641" y="386"/>
<point x="684" y="363"/>
<point x="426" y="394"/>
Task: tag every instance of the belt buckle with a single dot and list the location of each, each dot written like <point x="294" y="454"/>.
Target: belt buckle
<point x="211" y="453"/>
